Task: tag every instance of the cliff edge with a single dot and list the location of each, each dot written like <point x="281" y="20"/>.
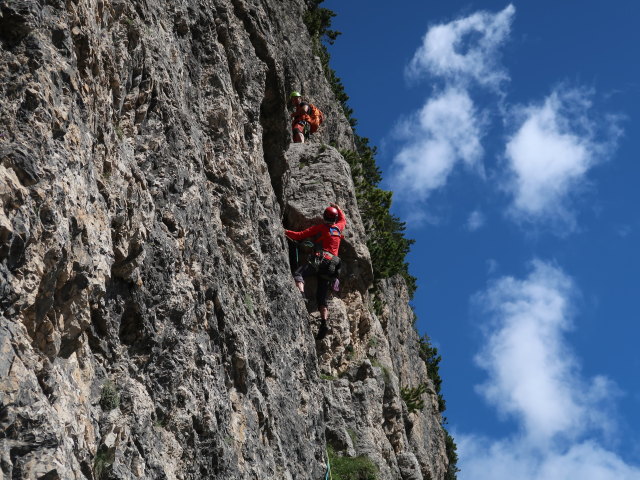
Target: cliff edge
<point x="150" y="325"/>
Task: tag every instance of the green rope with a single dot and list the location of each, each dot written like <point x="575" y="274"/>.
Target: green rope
<point x="328" y="475"/>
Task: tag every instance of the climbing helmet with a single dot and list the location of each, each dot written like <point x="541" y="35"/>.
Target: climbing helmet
<point x="330" y="214"/>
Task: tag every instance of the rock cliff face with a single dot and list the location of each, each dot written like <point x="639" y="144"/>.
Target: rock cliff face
<point x="150" y="326"/>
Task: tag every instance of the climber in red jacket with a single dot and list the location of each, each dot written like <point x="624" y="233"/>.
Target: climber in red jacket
<point x="300" y="117"/>
<point x="324" y="263"/>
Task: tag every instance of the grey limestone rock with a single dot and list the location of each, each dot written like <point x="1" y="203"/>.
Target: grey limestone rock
<point x="316" y="176"/>
<point x="150" y="327"/>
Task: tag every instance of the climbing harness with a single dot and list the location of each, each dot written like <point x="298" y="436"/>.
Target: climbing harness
<point x="326" y="264"/>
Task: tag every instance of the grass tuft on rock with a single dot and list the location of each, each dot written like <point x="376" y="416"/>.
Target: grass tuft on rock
<point x="109" y="396"/>
<point x="352" y="468"/>
<point x="102" y="463"/>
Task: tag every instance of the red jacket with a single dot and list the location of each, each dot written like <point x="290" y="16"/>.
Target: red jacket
<point x="330" y="236"/>
<point x="301" y="114"/>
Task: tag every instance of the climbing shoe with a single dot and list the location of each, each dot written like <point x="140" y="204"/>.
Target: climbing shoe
<point x="323" y="330"/>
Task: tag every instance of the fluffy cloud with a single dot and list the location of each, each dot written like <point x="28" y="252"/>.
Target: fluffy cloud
<point x="475" y="221"/>
<point x="465" y="49"/>
<point x="534" y="376"/>
<point x="532" y="373"/>
<point x="552" y="148"/>
<point x="448" y="129"/>
<point x="484" y="459"/>
<point x="550" y="154"/>
<point x="444" y="132"/>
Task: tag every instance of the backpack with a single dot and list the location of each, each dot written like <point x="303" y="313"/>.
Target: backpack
<point x="316" y="117"/>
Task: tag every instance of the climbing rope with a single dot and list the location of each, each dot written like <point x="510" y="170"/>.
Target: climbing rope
<point x="328" y="476"/>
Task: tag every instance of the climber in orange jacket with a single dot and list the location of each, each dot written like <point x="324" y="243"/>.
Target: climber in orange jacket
<point x="300" y="117"/>
<point x="325" y="262"/>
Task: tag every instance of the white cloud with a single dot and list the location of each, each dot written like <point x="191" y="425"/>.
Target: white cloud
<point x="550" y="154"/>
<point x="588" y="461"/>
<point x="484" y="459"/>
<point x="465" y="49"/>
<point x="448" y="129"/>
<point x="444" y="132"/>
<point x="475" y="221"/>
<point x="534" y="376"/>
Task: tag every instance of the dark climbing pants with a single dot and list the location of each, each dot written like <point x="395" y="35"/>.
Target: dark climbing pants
<point x="322" y="291"/>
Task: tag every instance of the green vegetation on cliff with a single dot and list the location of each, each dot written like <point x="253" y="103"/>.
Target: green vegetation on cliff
<point x="412" y="397"/>
<point x="318" y="22"/>
<point x="385" y="232"/>
<point x="429" y="354"/>
<point x="352" y="468"/>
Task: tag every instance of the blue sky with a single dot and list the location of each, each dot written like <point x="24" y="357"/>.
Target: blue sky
<point x="509" y="132"/>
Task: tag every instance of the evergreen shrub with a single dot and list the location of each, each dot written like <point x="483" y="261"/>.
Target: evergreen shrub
<point x="412" y="397"/>
<point x="429" y="354"/>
